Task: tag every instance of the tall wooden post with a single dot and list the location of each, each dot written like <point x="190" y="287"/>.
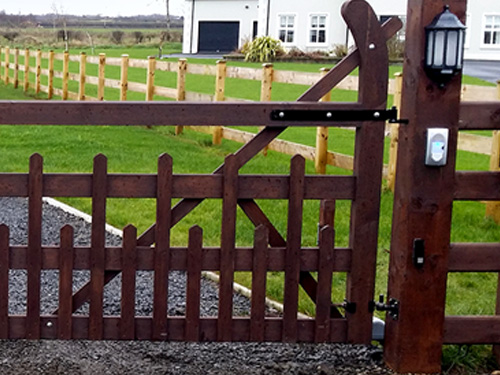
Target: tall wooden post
<point x="150" y="79"/>
<point x="220" y="84"/>
<point x="181" y="87"/>
<point x="124" y="78"/>
<point x="493" y="208"/>
<point x="6" y="66"/>
<point x="101" y="80"/>
<point x="50" y="89"/>
<point x="38" y="77"/>
<point x="393" y="151"/>
<point x="16" y="68"/>
<point x="321" y="155"/>
<point x="83" y="76"/>
<point x="423" y="202"/>
<point x="266" y="88"/>
<point x="26" y="69"/>
<point x="65" y="75"/>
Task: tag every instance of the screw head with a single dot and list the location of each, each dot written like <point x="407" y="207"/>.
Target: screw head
<point x="329" y="115"/>
<point x="376" y="115"/>
<point x="49" y="324"/>
<point x="371" y="46"/>
<point x="281" y="114"/>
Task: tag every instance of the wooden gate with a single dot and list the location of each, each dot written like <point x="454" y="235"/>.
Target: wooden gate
<point x="271" y="251"/>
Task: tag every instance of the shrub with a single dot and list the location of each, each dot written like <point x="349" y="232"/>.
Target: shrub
<point x="10" y="35"/>
<point x="263" y="48"/>
<point x="340" y="50"/>
<point x="139" y="37"/>
<point x="117" y="36"/>
<point x="395" y="48"/>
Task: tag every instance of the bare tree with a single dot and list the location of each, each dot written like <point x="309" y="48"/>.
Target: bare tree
<point x="60" y="17"/>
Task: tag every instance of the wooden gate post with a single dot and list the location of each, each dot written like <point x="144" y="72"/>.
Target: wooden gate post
<point x="16" y="68"/>
<point x="26" y="69"/>
<point x="321" y="155"/>
<point x="50" y="88"/>
<point x="101" y="80"/>
<point x="6" y="66"/>
<point x="83" y="76"/>
<point x="493" y="208"/>
<point x="124" y="78"/>
<point x="38" y="84"/>
<point x="393" y="151"/>
<point x="423" y="202"/>
<point x="181" y="87"/>
<point x="220" y="84"/>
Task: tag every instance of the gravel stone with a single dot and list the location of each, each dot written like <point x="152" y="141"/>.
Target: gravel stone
<point x="134" y="357"/>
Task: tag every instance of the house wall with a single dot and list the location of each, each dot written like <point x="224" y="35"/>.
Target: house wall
<point x="475" y="48"/>
<point x="243" y="11"/>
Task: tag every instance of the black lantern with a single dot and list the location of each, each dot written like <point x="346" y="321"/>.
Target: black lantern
<point x="444" y="53"/>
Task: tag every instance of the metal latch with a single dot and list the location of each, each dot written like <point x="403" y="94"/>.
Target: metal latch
<point x="392" y="307"/>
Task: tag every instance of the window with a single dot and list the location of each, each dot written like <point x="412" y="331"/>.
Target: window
<point x="286" y="30"/>
<point x="492" y="31"/>
<point x="317" y="29"/>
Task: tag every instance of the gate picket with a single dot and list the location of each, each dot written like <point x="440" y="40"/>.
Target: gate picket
<point x="65" y="311"/>
<point x="324" y="291"/>
<point x="228" y="237"/>
<point x="98" y="242"/>
<point x="193" y="293"/>
<point x="129" y="259"/>
<point x="34" y="254"/>
<point x="4" y="281"/>
<point x="293" y="244"/>
<point x="162" y="248"/>
<point x="259" y="273"/>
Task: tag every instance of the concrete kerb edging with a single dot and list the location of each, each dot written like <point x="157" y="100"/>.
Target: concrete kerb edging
<point x="209" y="275"/>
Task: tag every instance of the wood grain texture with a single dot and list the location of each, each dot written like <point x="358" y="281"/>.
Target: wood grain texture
<point x="324" y="290"/>
<point x="4" y="281"/>
<point x="259" y="275"/>
<point x="129" y="261"/>
<point x="193" y="293"/>
<point x="66" y="256"/>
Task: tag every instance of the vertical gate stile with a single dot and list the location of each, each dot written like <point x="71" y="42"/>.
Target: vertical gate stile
<point x="162" y="247"/>
<point x="293" y="246"/>
<point x="193" y="293"/>
<point x="34" y="261"/>
<point x="324" y="293"/>
<point x="368" y="161"/>
<point x="66" y="249"/>
<point x="259" y="274"/>
<point x="228" y="238"/>
<point x="4" y="281"/>
<point x="97" y="251"/>
<point x="127" y="320"/>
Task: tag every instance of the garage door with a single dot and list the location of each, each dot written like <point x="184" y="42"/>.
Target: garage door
<point x="218" y="36"/>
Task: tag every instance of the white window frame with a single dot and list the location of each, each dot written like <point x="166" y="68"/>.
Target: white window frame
<point x="484" y="30"/>
<point x="287" y="28"/>
<point x="310" y="29"/>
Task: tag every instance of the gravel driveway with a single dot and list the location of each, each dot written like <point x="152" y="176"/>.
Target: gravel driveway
<point x="124" y="357"/>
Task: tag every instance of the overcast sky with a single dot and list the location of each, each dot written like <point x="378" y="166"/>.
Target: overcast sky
<point x="92" y="7"/>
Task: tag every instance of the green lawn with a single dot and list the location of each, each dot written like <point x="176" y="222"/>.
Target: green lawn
<point x="71" y="149"/>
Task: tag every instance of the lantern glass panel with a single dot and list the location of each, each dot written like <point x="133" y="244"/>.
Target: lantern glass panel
<point x="439" y="48"/>
<point x="452" y="48"/>
<point x="461" y="36"/>
<point x="430" y="48"/>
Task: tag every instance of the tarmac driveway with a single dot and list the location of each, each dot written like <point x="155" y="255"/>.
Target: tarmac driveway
<point x="487" y="70"/>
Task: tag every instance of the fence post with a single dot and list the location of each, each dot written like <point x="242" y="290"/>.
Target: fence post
<point x="102" y="77"/>
<point x="150" y="79"/>
<point x="83" y="78"/>
<point x="220" y="84"/>
<point x="26" y="69"/>
<point x="423" y="201"/>
<point x="6" y="67"/>
<point x="493" y="208"/>
<point x="320" y="158"/>
<point x="50" y="88"/>
<point x="65" y="75"/>
<point x="266" y="90"/>
<point x="393" y="150"/>
<point x="38" y="70"/>
<point x="181" y="87"/>
<point x="124" y="78"/>
<point x="16" y="68"/>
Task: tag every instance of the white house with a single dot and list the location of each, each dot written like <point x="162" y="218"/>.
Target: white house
<point x="224" y="25"/>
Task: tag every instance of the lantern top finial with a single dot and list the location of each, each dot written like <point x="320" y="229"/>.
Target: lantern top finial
<point x="446" y="20"/>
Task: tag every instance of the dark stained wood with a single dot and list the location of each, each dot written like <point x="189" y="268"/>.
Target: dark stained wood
<point x="258" y="217"/>
<point x="294" y="239"/>
<point x="4" y="281"/>
<point x="228" y="237"/>
<point x="97" y="252"/>
<point x="64" y="327"/>
<point x="176" y="327"/>
<point x="160" y="113"/>
<point x="368" y="160"/>
<point x="193" y="293"/>
<point x="474" y="257"/>
<point x="259" y="275"/>
<point x="422" y="205"/>
<point x="472" y="330"/>
<point x="34" y="246"/>
<point x="127" y="319"/>
<point x="477" y="186"/>
<point x="327" y="213"/>
<point x="324" y="293"/>
<point x="479" y="116"/>
<point x="162" y="253"/>
<point x="210" y="262"/>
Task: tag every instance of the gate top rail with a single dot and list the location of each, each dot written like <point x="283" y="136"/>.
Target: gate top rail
<point x="276" y="114"/>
